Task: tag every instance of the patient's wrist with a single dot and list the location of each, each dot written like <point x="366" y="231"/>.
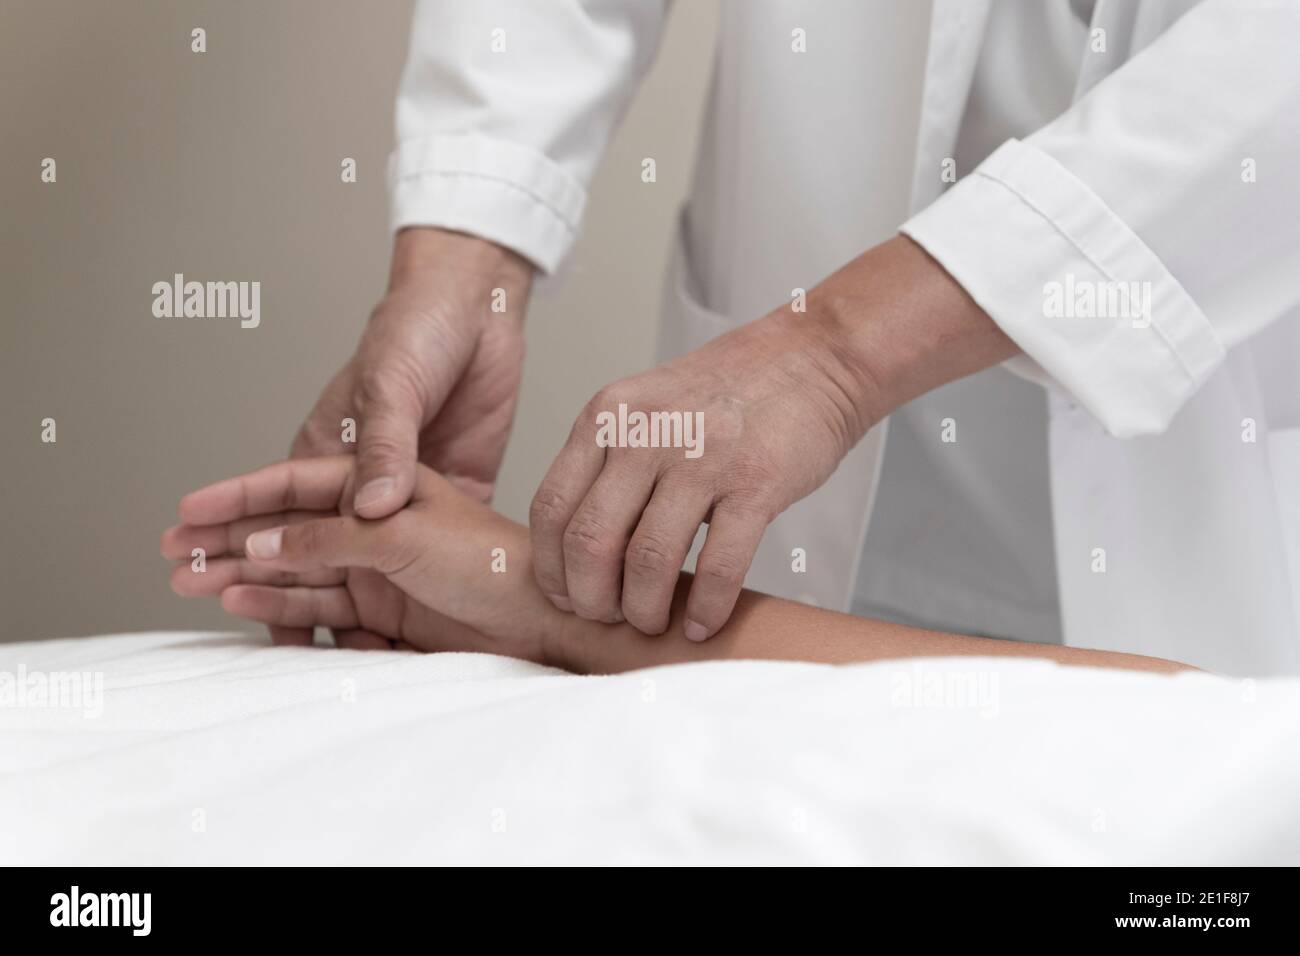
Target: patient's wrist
<point x="595" y="647"/>
<point x="503" y="600"/>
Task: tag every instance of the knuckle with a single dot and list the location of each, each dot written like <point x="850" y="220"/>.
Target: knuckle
<point x="381" y="447"/>
<point x="548" y="509"/>
<point x="749" y="476"/>
<point x="383" y="385"/>
<point x="303" y="539"/>
<point x="607" y="399"/>
<point x="289" y="496"/>
<point x="650" y="555"/>
<point x="374" y="385"/>
<point x="586" y="541"/>
<point x="751" y="505"/>
<point x="722" y="570"/>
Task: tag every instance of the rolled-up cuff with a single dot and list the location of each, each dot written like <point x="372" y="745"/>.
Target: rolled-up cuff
<point x="497" y="190"/>
<point x="1071" y="284"/>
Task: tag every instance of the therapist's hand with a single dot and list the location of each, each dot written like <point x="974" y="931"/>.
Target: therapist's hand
<point x="434" y="379"/>
<point x="783" y="400"/>
<point x="611" y="526"/>
<point x="436" y="375"/>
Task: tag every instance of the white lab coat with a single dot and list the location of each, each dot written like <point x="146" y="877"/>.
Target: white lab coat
<point x="805" y="159"/>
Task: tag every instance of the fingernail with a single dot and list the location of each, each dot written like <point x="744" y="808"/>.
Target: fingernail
<point x="373" y="492"/>
<point x="696" y="631"/>
<point x="264" y="544"/>
<point x="560" y="601"/>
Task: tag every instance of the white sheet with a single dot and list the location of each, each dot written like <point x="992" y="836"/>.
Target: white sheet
<point x="218" y="749"/>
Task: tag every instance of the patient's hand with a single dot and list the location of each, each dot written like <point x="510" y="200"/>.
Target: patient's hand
<point x="283" y="547"/>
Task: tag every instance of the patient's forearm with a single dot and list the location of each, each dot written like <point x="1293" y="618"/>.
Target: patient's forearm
<point x="434" y="552"/>
<point x="761" y="627"/>
<point x="767" y="628"/>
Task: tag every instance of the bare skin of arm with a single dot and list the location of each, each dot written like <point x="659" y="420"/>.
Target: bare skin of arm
<point x="770" y="628"/>
<point x="446" y="572"/>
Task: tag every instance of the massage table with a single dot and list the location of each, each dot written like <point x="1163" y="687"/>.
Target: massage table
<point x="220" y="749"/>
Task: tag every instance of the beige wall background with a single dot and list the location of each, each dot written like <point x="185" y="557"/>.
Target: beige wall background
<point x="225" y="165"/>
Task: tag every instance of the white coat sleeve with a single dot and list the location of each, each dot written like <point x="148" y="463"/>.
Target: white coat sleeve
<point x="504" y="109"/>
<point x="1146" y="179"/>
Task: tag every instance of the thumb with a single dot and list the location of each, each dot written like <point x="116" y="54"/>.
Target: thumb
<point x="389" y="418"/>
<point x="338" y="542"/>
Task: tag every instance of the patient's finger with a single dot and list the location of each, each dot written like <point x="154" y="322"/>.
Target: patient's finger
<point x="221" y="573"/>
<point x="291" y="607"/>
<point x="337" y="542"/>
<point x="300" y="484"/>
<point x="216" y="540"/>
